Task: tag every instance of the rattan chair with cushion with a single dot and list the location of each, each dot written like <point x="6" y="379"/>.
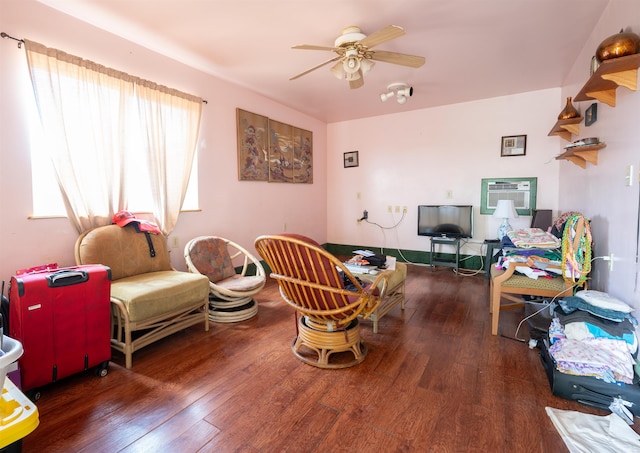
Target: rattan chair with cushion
<point x="231" y="292"/>
<point x="149" y="299"/>
<point x="312" y="281"/>
<point x="509" y="285"/>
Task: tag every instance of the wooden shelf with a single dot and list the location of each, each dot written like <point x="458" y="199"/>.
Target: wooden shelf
<point x="602" y="85"/>
<point x="580" y="155"/>
<point x="565" y="128"/>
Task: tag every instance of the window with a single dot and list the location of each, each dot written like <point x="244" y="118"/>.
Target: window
<point x="46" y="196"/>
<point x="109" y="141"/>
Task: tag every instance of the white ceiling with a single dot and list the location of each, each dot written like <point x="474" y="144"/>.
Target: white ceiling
<point x="474" y="49"/>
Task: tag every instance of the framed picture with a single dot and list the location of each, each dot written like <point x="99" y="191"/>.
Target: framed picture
<point x="591" y="114"/>
<point x="280" y="152"/>
<point x="351" y="159"/>
<point x="302" y="156"/>
<point x="253" y="146"/>
<point x="269" y="150"/>
<point x="513" y="145"/>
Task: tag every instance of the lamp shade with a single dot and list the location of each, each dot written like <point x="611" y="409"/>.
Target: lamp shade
<point x="505" y="209"/>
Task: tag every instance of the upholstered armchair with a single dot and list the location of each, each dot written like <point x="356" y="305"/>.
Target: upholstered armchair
<point x="149" y="299"/>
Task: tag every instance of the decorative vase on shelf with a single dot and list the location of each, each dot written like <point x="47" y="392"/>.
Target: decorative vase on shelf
<point x="618" y="45"/>
<point x="569" y="111"/>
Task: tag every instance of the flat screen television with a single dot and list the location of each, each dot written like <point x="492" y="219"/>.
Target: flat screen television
<point x="447" y="221"/>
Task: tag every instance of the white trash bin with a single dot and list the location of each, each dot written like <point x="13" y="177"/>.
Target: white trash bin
<point x="11" y="352"/>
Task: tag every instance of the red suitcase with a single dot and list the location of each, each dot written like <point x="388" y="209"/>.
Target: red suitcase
<point x="62" y="319"/>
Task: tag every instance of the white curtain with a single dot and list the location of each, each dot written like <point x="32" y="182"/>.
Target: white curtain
<point x="171" y="121"/>
<point x="110" y="134"/>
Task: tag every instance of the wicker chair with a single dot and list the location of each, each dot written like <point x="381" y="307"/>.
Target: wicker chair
<point x="313" y="282"/>
<point x="505" y="284"/>
<point x="149" y="299"/>
<point x="231" y="292"/>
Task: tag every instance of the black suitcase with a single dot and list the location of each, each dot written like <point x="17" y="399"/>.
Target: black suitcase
<point x="586" y="389"/>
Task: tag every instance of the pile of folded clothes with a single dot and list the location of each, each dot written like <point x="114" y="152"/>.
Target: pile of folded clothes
<point x="593" y="334"/>
<point x="538" y="251"/>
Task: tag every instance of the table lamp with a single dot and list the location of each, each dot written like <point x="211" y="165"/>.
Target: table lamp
<point x="505" y="210"/>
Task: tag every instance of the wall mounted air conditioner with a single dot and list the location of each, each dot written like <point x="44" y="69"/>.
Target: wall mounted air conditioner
<point x="519" y="192"/>
<point x="522" y="191"/>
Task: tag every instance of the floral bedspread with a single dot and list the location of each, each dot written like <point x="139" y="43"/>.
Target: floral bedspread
<point x="533" y="238"/>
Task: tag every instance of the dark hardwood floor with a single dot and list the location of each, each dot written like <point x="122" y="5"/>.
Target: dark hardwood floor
<point x="434" y="380"/>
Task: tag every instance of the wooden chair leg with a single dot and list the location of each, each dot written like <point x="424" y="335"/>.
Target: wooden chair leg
<point x="495" y="308"/>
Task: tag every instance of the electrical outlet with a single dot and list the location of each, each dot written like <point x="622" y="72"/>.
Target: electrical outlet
<point x="175" y="242"/>
<point x="389" y="208"/>
<point x="284" y="228"/>
<point x="397" y="208"/>
<point x="404" y="209"/>
<point x="449" y="193"/>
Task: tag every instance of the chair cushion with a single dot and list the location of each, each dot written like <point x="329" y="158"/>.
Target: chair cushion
<point x="306" y="264"/>
<point x="522" y="281"/>
<point x="123" y="250"/>
<point x="211" y="257"/>
<point x="156" y="293"/>
<point x="240" y="283"/>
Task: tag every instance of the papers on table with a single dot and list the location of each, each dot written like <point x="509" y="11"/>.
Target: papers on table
<point x="390" y="264"/>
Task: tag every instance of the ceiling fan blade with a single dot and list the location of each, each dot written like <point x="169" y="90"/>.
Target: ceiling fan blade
<point x="383" y="35"/>
<point x="353" y="84"/>
<point x="397" y="58"/>
<point x="310" y="47"/>
<point x="315" y="67"/>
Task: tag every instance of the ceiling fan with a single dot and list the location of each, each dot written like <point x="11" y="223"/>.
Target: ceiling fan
<point x="356" y="55"/>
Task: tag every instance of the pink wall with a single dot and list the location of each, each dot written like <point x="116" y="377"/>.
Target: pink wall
<point x="418" y="157"/>
<point x="600" y="192"/>
<point x="238" y="210"/>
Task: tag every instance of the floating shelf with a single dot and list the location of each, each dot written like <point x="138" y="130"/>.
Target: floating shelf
<point x="565" y="128"/>
<point x="580" y="155"/>
<point x="602" y="85"/>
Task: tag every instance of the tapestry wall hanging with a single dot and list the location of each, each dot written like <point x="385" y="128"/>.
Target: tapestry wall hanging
<point x="269" y="150"/>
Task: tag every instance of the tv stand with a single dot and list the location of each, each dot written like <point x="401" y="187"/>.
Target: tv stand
<point x="441" y="261"/>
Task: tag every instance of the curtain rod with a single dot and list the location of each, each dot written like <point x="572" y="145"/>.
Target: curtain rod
<point x="6" y="36"/>
<point x="21" y="41"/>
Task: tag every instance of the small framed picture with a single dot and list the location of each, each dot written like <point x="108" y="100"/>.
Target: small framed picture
<point x="591" y="114"/>
<point x="351" y="159"/>
<point x="513" y="145"/>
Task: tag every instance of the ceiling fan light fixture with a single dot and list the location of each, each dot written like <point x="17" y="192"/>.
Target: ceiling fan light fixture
<point x="351" y="77"/>
<point x="338" y="71"/>
<point x="366" y="65"/>
<point x="351" y="62"/>
<point x="356" y="55"/>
